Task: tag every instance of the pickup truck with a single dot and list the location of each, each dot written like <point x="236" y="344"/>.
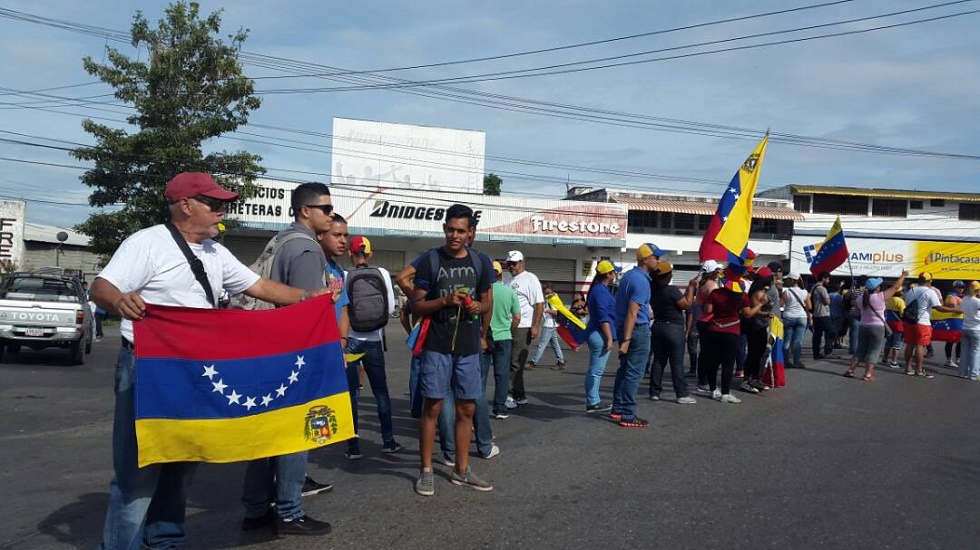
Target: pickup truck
<point x="42" y="310"/>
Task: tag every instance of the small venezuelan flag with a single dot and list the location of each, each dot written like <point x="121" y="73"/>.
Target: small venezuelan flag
<point x="221" y="385"/>
<point x="946" y="327"/>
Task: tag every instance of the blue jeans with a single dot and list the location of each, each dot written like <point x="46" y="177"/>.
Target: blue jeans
<point x="630" y="372"/>
<point x="146" y="505"/>
<point x="692" y="348"/>
<point x="278" y="480"/>
<point x="500" y="352"/>
<point x="854" y="328"/>
<point x="447" y="415"/>
<point x="598" y="356"/>
<point x="823" y="328"/>
<point x="548" y="336"/>
<point x="481" y="415"/>
<point x="970" y="361"/>
<point x="374" y="368"/>
<point x="667" y="343"/>
<point x="794" y="328"/>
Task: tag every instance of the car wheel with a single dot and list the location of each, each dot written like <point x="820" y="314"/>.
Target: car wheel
<point x="75" y="355"/>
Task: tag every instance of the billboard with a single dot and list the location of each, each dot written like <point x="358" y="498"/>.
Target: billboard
<point x="947" y="260"/>
<point x="421" y="214"/>
<point x="400" y="156"/>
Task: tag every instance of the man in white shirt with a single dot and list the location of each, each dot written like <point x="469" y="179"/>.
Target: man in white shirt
<point x="147" y="505"/>
<point x="924" y="298"/>
<point x="531" y="298"/>
<point x="373" y="280"/>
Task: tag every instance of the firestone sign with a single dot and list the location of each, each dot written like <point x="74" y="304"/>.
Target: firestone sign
<point x="539" y="224"/>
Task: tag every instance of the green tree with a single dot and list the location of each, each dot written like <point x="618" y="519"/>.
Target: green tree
<point x="190" y="89"/>
<point x="491" y="184"/>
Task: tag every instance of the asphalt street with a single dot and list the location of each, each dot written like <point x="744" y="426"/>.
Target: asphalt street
<point x="826" y="462"/>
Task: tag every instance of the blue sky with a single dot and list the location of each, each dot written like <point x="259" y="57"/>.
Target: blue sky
<point x="911" y="87"/>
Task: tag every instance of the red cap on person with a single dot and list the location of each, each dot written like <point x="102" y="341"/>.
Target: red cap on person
<point x="193" y="184"/>
<point x="360" y="245"/>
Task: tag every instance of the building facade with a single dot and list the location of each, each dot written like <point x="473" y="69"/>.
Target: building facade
<point x="889" y="230"/>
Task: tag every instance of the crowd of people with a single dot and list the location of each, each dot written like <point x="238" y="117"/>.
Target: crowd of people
<point x="465" y="323"/>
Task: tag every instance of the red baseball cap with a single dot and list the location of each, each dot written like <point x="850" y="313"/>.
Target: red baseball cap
<point x="192" y="184"/>
<point x="360" y="245"/>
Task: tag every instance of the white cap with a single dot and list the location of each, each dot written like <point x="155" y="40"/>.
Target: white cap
<point x="515" y="256"/>
<point x="792" y="275"/>
<point x="710" y="266"/>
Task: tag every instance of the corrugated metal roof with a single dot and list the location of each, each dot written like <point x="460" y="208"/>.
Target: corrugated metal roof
<point x="49" y="234"/>
<point x="883" y="193"/>
<point x="706" y="208"/>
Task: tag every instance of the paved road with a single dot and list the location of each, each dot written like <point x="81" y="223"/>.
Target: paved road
<point x="826" y="462"/>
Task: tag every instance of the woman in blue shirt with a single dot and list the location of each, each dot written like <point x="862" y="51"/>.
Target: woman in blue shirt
<point x="600" y="332"/>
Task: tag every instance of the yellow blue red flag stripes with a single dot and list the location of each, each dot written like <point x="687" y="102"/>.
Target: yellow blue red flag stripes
<point x="231" y="385"/>
<point x="832" y="252"/>
<point x="733" y="219"/>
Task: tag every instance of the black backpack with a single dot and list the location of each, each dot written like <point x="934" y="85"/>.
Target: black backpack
<point x="368" y="295"/>
<point x="911" y="313"/>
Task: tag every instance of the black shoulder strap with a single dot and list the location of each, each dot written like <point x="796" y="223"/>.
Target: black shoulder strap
<point x="197" y="267"/>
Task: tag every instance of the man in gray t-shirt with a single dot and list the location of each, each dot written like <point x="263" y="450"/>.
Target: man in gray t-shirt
<point x="823" y="327"/>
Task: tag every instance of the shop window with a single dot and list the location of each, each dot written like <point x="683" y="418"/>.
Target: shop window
<point x="840" y="204"/>
<point x="683" y="224"/>
<point x="970" y="211"/>
<point x="937" y="202"/>
<point x="889" y="208"/>
<point x="915" y="205"/>
<point x="764" y="228"/>
<point x="802" y="203"/>
<point x="704" y="222"/>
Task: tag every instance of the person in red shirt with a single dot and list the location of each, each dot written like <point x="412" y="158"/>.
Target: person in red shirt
<point x="726" y="306"/>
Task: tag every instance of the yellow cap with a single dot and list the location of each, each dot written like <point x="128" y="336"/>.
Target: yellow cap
<point x="646" y="250"/>
<point x="497" y="267"/>
<point x="925" y="276"/>
<point x="664" y="268"/>
<point x="605" y="266"/>
<point x="974" y="285"/>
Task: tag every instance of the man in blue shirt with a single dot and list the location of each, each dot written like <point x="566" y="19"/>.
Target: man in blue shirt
<point x="633" y="328"/>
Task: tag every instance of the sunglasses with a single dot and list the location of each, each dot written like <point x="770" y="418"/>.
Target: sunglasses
<point x="215" y="205"/>
<point x="325" y="208"/>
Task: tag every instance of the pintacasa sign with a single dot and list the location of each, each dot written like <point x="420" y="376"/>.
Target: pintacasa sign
<point x="386" y="209"/>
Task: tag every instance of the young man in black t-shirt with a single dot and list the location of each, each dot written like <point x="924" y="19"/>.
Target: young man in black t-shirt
<point x="454" y="296"/>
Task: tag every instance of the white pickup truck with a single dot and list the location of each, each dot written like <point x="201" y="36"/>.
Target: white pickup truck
<point x="42" y="310"/>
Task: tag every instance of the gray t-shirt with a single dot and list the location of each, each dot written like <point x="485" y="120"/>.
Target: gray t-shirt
<point x="821" y="301"/>
<point x="773" y="294"/>
<point x="299" y="262"/>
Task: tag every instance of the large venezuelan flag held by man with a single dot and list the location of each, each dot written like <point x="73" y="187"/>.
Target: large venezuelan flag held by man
<point x="222" y="385"/>
<point x="832" y="252"/>
<point x="728" y="231"/>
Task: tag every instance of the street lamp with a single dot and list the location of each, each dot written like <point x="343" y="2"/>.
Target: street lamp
<point x="62" y="237"/>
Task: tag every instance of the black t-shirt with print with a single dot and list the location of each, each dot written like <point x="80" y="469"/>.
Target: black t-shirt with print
<point x="454" y="273"/>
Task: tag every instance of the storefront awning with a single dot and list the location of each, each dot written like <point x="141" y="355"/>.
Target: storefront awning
<point x="706" y="208"/>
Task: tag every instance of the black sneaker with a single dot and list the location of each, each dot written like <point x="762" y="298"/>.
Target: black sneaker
<point x="598" y="407"/>
<point x="635" y="422"/>
<point x="312" y="487"/>
<point x="251" y="524"/>
<point x="304" y="525"/>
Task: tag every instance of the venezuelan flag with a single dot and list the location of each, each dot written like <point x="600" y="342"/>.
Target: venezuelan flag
<point x="571" y="329"/>
<point x="222" y="385"/>
<point x="832" y="252"/>
<point x="775" y="373"/>
<point x="894" y="320"/>
<point x="946" y="327"/>
<point x="728" y="231"/>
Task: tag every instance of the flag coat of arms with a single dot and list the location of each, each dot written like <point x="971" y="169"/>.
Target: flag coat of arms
<point x="727" y="235"/>
<point x="221" y="385"/>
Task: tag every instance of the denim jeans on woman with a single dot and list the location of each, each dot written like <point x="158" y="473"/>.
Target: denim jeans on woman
<point x="146" y="505"/>
<point x="667" y="344"/>
<point x="548" y="337"/>
<point x="374" y="367"/>
<point x="794" y="328"/>
<point x="970" y="361"/>
<point x="630" y="372"/>
<point x="598" y="356"/>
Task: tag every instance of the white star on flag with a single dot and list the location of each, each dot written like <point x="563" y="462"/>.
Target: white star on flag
<point x="266" y="399"/>
<point x="249" y="403"/>
<point x="281" y="391"/>
<point x="233" y="397"/>
<point x="219" y="386"/>
<point x="209" y="371"/>
<point x="299" y="362"/>
<point x="293" y="377"/>
<point x="732" y="189"/>
<point x="735" y="195"/>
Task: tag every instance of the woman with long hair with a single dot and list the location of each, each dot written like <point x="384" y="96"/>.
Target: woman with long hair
<point x="667" y="332"/>
<point x="600" y="333"/>
<point x="756" y="327"/>
<point x="871" y="332"/>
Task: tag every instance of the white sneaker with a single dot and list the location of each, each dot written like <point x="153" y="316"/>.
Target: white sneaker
<point x="510" y="403"/>
<point x="893" y="365"/>
<point x="729" y="398"/>
<point x="702" y="390"/>
<point x="951" y="364"/>
<point x="494" y="451"/>
<point x="522" y="401"/>
<point x="687" y="400"/>
<point x="716" y="394"/>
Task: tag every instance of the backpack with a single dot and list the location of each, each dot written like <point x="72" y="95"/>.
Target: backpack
<point x="911" y="313"/>
<point x="368" y="295"/>
<point x="433" y="256"/>
<point x="263" y="266"/>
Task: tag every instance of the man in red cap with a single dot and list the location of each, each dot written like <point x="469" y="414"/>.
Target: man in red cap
<point x="173" y="264"/>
